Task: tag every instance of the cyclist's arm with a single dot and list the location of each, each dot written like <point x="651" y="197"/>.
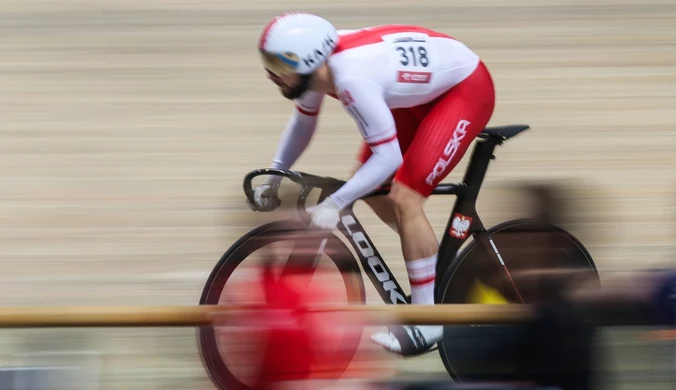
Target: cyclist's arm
<point x="298" y="132"/>
<point x="364" y="101"/>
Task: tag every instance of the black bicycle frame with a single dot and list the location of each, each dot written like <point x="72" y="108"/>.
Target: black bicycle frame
<point x="463" y="221"/>
<point x="464" y="209"/>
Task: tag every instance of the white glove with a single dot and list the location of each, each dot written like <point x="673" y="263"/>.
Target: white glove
<point x="265" y="198"/>
<point x="325" y="215"/>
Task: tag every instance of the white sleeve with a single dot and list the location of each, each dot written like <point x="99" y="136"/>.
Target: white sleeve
<point x="298" y="132"/>
<point x="365" y="103"/>
<point x="384" y="162"/>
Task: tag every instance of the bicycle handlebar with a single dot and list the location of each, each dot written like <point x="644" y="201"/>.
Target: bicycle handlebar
<point x="305" y="180"/>
<point x="308" y="182"/>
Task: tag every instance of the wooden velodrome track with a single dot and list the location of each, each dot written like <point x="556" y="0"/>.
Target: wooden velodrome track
<point x="126" y="127"/>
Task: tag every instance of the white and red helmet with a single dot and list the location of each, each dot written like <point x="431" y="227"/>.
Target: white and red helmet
<point x="297" y="43"/>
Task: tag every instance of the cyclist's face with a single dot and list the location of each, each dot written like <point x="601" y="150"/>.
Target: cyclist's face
<point x="281" y="69"/>
<point x="292" y="86"/>
<point x="285" y="82"/>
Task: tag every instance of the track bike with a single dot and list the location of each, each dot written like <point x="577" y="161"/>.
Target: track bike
<point x="491" y="257"/>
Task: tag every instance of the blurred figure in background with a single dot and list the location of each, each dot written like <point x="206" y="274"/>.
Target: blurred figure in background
<point x="559" y="349"/>
<point x="642" y="297"/>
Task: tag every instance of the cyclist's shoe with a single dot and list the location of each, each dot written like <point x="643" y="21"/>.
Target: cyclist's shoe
<point x="409" y="340"/>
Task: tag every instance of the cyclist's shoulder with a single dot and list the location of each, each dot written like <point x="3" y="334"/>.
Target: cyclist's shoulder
<point x="368" y="48"/>
<point x="346" y="37"/>
<point x="359" y="58"/>
<point x="362" y="41"/>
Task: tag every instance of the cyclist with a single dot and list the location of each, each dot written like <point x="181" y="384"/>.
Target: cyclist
<point x="419" y="98"/>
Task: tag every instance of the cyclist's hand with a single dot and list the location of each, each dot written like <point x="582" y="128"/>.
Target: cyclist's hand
<point x="265" y="198"/>
<point x="326" y="215"/>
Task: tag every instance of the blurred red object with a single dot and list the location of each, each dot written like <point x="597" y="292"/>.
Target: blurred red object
<point x="289" y="354"/>
<point x="299" y="345"/>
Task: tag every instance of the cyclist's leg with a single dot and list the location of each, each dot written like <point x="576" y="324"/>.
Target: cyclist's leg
<point x="407" y="123"/>
<point x="443" y="137"/>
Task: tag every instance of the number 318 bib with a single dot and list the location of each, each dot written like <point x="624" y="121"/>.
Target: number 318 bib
<point x="413" y="59"/>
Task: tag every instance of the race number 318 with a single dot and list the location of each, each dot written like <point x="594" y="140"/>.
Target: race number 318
<point x="413" y="55"/>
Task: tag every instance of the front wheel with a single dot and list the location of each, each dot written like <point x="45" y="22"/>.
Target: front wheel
<point x="482" y="351"/>
<point x="226" y="350"/>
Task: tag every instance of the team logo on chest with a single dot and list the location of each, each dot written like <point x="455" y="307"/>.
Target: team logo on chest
<point x="405" y="76"/>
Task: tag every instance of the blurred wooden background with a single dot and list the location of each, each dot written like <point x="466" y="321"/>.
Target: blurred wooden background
<point x="127" y="126"/>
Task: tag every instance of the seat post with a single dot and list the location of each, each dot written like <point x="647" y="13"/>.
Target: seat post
<point x="465" y="203"/>
<point x="478" y="165"/>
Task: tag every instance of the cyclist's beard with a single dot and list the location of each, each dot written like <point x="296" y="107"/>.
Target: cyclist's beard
<point x="299" y="89"/>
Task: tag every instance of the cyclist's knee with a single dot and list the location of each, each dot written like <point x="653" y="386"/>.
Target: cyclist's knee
<point x="380" y="205"/>
<point x="405" y="201"/>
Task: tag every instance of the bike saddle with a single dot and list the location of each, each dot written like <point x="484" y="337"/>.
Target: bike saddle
<point x="502" y="133"/>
